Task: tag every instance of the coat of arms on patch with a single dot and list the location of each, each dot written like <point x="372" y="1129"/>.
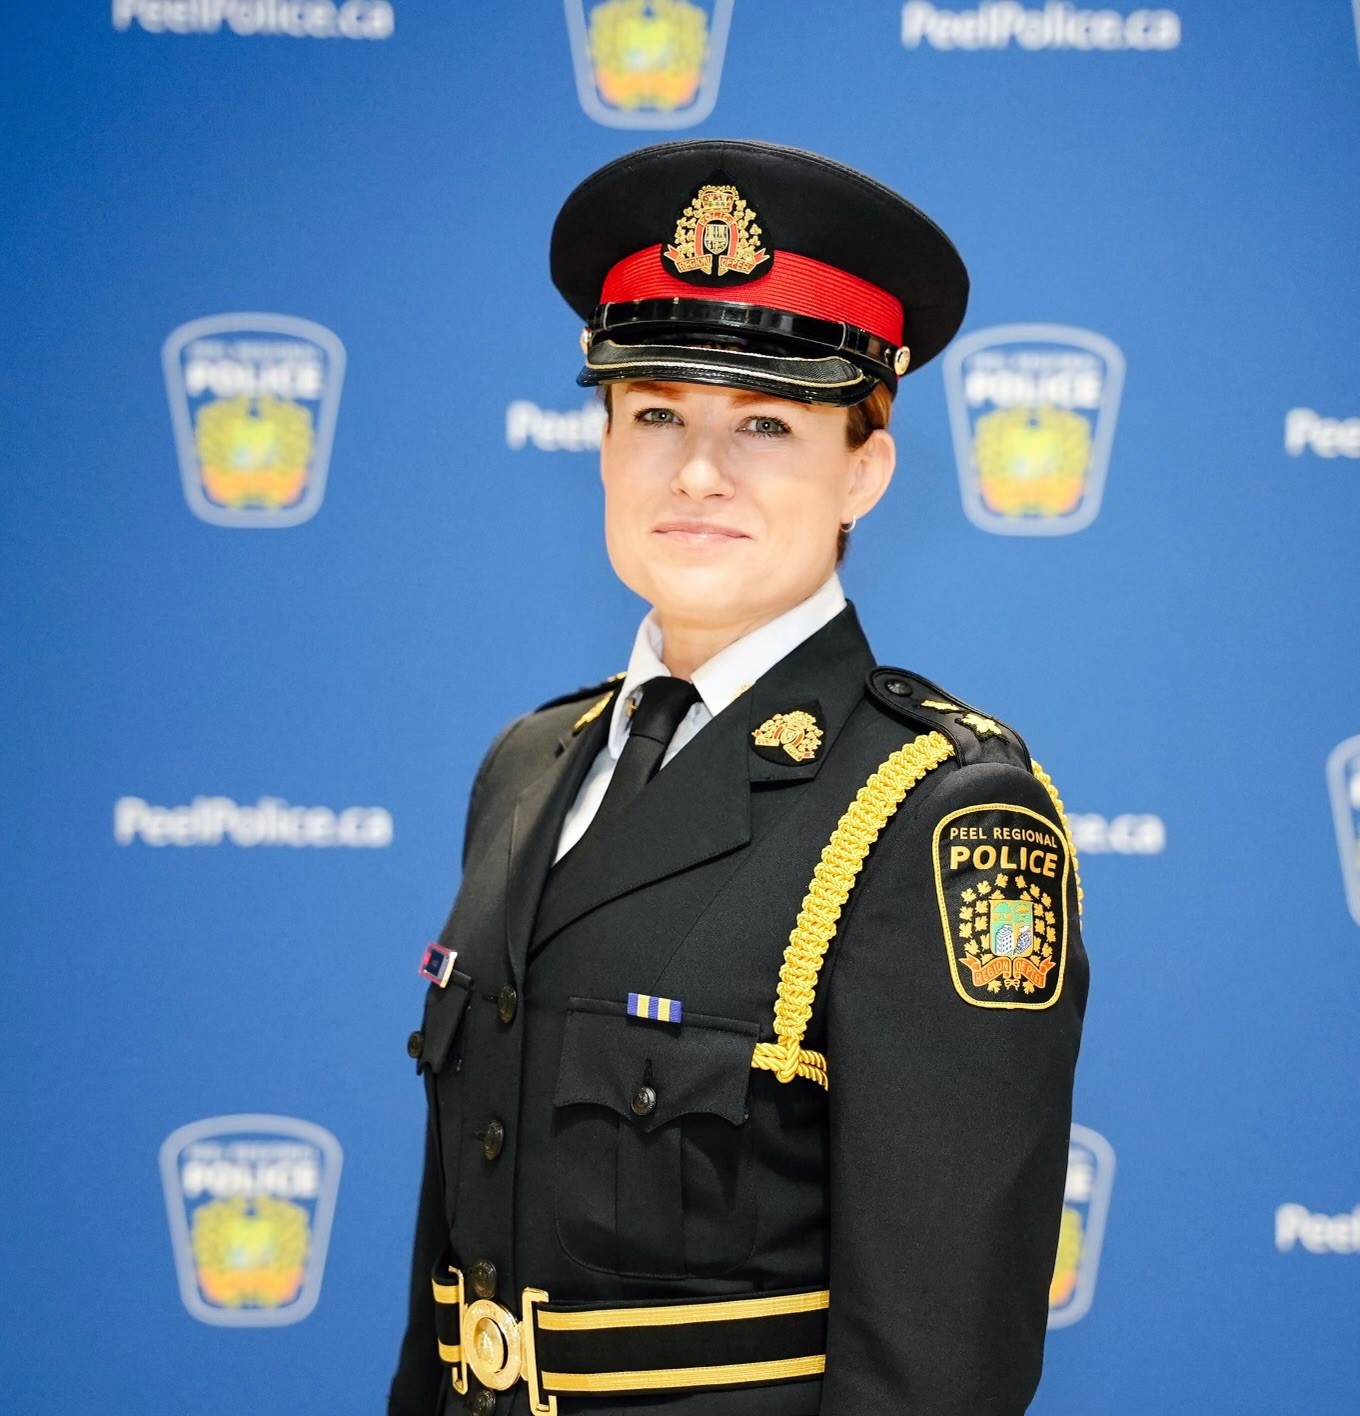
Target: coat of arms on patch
<point x="717" y="235"/>
<point x="1001" y="875"/>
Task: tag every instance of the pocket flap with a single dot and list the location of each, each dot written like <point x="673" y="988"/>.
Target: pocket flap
<point x="444" y="1009"/>
<point x="700" y="1065"/>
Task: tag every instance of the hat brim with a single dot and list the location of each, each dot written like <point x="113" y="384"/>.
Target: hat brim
<point x="822" y="379"/>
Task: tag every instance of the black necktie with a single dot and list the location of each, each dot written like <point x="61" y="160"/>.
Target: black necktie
<point x="663" y="703"/>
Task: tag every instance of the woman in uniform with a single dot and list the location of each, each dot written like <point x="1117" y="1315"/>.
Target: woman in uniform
<point x="749" y="1041"/>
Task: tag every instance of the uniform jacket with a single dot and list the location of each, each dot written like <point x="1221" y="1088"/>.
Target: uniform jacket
<point x="924" y="1187"/>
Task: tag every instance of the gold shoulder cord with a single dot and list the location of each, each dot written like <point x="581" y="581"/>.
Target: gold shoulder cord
<point x="842" y="859"/>
<point x="1052" y="791"/>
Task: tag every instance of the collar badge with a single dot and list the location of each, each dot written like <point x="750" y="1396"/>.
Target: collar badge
<point x="717" y="235"/>
<point x="796" y="734"/>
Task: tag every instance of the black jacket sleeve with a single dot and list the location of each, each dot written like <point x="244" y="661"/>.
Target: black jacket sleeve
<point x="950" y="1110"/>
<point x="420" y="1377"/>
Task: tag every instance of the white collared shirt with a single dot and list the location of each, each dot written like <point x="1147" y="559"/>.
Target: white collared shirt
<point x="726" y="675"/>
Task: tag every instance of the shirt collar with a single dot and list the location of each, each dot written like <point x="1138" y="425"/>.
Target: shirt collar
<point x="732" y="670"/>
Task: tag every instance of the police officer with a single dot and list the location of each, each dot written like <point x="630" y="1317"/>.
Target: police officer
<point x="749" y="1041"/>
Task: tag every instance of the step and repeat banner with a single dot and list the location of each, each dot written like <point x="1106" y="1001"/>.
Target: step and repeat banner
<point x="302" y="505"/>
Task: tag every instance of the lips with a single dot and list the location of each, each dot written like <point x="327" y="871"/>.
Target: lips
<point x="699" y="532"/>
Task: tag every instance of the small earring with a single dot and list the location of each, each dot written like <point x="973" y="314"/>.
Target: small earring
<point x="854" y="521"/>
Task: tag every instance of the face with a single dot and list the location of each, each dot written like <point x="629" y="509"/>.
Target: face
<point x="722" y="507"/>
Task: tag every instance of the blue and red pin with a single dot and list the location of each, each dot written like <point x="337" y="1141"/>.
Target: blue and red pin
<point x="437" y="963"/>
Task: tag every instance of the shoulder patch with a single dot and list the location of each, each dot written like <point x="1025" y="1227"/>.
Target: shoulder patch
<point x="594" y="689"/>
<point x="976" y="736"/>
<point x="1001" y="879"/>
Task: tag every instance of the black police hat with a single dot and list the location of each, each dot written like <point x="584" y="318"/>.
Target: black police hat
<point x="754" y="266"/>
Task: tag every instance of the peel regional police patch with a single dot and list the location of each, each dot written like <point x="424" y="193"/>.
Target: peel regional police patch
<point x="250" y="1200"/>
<point x="1001" y="878"/>
<point x="253" y="400"/>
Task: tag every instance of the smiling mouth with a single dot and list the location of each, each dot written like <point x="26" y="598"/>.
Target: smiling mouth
<point x="698" y="533"/>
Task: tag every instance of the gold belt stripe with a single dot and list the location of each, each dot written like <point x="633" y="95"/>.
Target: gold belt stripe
<point x="842" y="859"/>
<point x="660" y="1378"/>
<point x="675" y="1314"/>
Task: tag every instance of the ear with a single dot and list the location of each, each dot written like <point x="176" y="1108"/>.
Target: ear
<point x="873" y="471"/>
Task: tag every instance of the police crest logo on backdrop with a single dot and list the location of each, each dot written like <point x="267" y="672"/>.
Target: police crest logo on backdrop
<point x="253" y="401"/>
<point x="1032" y="409"/>
<point x="648" y="63"/>
<point x="1086" y="1205"/>
<point x="1343" y="785"/>
<point x="250" y="1200"/>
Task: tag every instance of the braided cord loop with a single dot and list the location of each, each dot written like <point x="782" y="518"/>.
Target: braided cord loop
<point x="842" y="858"/>
<point x="1047" y="783"/>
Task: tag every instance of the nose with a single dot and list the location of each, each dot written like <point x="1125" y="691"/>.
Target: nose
<point x="701" y="473"/>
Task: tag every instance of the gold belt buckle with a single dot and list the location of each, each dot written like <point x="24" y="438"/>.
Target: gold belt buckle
<point x="491" y="1344"/>
<point x="498" y="1348"/>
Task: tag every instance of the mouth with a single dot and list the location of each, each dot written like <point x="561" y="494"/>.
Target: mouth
<point x="698" y="533"/>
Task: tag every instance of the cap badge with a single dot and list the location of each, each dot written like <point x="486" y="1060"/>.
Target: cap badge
<point x="717" y="235"/>
<point x="796" y="734"/>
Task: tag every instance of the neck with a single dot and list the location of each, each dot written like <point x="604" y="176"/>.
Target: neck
<point x="689" y="644"/>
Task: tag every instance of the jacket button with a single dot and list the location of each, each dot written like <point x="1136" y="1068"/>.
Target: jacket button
<point x="492" y="1138"/>
<point x="413" y="1045"/>
<point x="644" y="1101"/>
<point x="898" y="686"/>
<point x="482" y="1403"/>
<point x="483" y="1278"/>
<point x="507" y="1003"/>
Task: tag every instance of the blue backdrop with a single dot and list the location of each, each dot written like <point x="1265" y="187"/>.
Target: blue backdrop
<point x="234" y="226"/>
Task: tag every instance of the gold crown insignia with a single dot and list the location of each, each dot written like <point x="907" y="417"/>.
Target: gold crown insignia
<point x="717" y="234"/>
<point x="797" y="733"/>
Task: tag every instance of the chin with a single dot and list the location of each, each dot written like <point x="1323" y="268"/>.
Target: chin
<point x="708" y="592"/>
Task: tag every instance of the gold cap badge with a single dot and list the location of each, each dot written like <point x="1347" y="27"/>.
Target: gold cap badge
<point x="717" y="235"/>
<point x="797" y="733"/>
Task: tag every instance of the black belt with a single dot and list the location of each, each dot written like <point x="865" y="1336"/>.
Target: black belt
<point x="624" y="1349"/>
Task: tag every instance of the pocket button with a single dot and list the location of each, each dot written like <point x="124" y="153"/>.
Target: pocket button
<point x="644" y="1100"/>
<point x="492" y="1138"/>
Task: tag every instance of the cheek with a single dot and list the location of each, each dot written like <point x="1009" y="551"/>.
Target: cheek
<point x="800" y="511"/>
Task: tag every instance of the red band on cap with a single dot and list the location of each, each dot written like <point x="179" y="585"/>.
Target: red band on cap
<point x="797" y="284"/>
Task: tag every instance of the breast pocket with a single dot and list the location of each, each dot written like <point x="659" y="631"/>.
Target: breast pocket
<point x="652" y="1142"/>
<point x="441" y="1061"/>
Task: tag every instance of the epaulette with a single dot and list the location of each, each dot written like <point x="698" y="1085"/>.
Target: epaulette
<point x="976" y="736"/>
<point x="577" y="694"/>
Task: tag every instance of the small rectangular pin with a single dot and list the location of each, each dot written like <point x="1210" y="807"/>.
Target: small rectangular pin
<point x="654" y="1009"/>
<point x="437" y="964"/>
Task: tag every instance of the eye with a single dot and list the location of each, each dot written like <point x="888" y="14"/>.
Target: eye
<point x="765" y="425"/>
<point x="657" y="417"/>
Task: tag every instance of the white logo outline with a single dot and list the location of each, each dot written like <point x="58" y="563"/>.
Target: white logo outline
<point x="1093" y="1236"/>
<point x="578" y="32"/>
<point x="182" y="422"/>
<point x="181" y="1243"/>
<point x="1102" y="444"/>
<point x="1339" y="789"/>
